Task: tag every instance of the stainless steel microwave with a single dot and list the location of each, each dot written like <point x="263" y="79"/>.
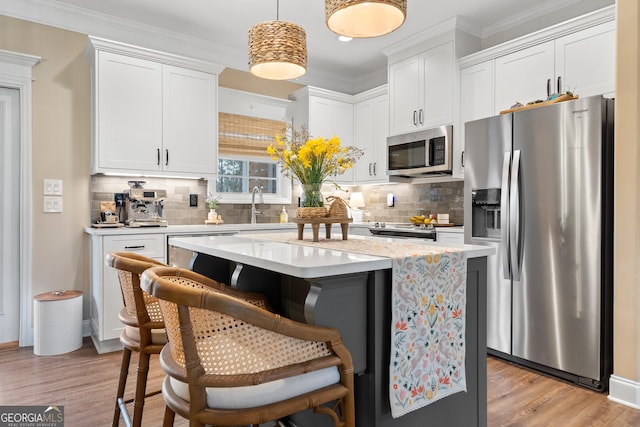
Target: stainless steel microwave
<point x="418" y="153"/>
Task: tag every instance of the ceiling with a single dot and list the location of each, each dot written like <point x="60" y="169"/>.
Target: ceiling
<point x="221" y="26"/>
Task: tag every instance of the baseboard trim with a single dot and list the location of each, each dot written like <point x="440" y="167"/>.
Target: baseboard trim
<point x="624" y="391"/>
<point x="86" y="328"/>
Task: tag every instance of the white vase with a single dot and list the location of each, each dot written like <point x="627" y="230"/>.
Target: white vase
<point x="212" y="215"/>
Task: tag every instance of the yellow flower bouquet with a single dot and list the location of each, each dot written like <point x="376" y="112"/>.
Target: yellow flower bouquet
<point x="312" y="161"/>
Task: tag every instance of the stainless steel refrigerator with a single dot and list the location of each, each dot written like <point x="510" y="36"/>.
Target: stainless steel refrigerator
<point x="539" y="188"/>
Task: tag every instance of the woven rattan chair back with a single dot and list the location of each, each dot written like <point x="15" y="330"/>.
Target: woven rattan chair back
<point x="220" y="337"/>
<point x="139" y="305"/>
<point x="141" y="314"/>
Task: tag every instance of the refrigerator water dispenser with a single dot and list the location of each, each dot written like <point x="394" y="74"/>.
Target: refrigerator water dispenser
<point x="485" y="221"/>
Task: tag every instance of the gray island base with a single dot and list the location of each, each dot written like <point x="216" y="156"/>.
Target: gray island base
<point x="350" y="292"/>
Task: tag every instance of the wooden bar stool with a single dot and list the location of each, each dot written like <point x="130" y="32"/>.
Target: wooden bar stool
<point x="143" y="332"/>
<point x="232" y="362"/>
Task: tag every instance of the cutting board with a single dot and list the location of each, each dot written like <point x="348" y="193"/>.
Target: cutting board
<point x="106" y="225"/>
<point x="561" y="98"/>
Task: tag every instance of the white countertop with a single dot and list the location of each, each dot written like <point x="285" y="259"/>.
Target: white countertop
<point x="190" y="229"/>
<point x="299" y="260"/>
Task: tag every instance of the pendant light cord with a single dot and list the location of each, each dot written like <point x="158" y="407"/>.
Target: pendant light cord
<point x="277" y="10"/>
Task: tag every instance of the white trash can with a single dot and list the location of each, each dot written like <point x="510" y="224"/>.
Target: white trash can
<point x="57" y="322"/>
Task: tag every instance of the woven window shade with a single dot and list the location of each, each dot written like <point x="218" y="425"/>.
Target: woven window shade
<point x="243" y="135"/>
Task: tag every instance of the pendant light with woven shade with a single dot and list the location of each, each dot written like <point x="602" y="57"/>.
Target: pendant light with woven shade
<point x="277" y="49"/>
<point x="362" y="18"/>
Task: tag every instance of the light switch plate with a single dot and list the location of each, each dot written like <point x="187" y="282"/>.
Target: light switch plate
<point x="52" y="187"/>
<point x="52" y="204"/>
<point x="391" y="200"/>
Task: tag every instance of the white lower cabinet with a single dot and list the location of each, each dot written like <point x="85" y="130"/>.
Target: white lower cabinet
<point x="449" y="238"/>
<point x="106" y="298"/>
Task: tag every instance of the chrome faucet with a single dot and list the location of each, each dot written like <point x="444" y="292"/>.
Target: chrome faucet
<point x="254" y="211"/>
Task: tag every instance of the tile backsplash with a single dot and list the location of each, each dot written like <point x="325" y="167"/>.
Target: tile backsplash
<point x="410" y="199"/>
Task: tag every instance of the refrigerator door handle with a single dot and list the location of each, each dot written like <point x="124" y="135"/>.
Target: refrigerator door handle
<point x="516" y="218"/>
<point x="504" y="215"/>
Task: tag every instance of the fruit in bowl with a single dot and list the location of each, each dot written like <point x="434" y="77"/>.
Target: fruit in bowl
<point x="418" y="219"/>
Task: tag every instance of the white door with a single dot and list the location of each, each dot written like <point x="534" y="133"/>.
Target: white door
<point x="586" y="61"/>
<point x="189" y="121"/>
<point x="524" y="76"/>
<point x="129" y="113"/>
<point x="9" y="212"/>
<point x="438" y="73"/>
<point x="405" y="96"/>
<point x="476" y="102"/>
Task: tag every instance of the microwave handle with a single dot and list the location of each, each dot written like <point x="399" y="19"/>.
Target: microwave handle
<point x="431" y="152"/>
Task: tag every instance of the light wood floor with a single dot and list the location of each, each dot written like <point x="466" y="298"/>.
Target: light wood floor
<point x="85" y="383"/>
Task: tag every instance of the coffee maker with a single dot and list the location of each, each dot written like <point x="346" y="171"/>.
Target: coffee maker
<point x="143" y="207"/>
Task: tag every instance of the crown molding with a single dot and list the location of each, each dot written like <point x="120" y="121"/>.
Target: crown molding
<point x="537" y="11"/>
<point x="17" y="64"/>
<point x="128" y="32"/>
<point x="600" y="16"/>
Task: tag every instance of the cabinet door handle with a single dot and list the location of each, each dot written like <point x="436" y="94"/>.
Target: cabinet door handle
<point x="462" y="158"/>
<point x="166" y="159"/>
<point x="548" y="88"/>
<point x="421" y="116"/>
<point x="415" y="118"/>
<point x="135" y="247"/>
<point x="369" y="169"/>
<point x="158" y="157"/>
<point x="559" y="85"/>
<point x="374" y="169"/>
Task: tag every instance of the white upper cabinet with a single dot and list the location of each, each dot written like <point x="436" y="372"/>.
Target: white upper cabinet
<point x="438" y="65"/>
<point x="325" y="113"/>
<point x="476" y="102"/>
<point x="476" y="92"/>
<point x="577" y="56"/>
<point x="404" y="95"/>
<point x="189" y="121"/>
<point x="152" y="113"/>
<point x="421" y="90"/>
<point x="582" y="62"/>
<point x="371" y="121"/>
<point x="523" y="76"/>
<point x="128" y="113"/>
<point x="585" y="61"/>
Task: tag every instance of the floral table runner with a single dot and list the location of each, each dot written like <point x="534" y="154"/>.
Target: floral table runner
<point x="428" y="301"/>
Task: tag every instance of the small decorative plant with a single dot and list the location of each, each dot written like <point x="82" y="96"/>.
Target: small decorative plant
<point x="212" y="201"/>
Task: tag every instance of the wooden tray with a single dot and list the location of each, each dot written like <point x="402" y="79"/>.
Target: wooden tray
<point x="561" y="98"/>
<point x="107" y="225"/>
<point x="448" y="224"/>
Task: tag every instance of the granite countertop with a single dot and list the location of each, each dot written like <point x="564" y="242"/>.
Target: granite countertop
<point x="301" y="260"/>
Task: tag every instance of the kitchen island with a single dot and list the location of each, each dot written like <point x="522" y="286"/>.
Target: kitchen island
<point x="338" y="287"/>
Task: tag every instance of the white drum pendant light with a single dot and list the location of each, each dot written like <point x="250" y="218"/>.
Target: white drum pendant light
<point x="277" y="50"/>
<point x="361" y="18"/>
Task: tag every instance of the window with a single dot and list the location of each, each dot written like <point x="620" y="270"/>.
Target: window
<point x="247" y="124"/>
<point x="236" y="175"/>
